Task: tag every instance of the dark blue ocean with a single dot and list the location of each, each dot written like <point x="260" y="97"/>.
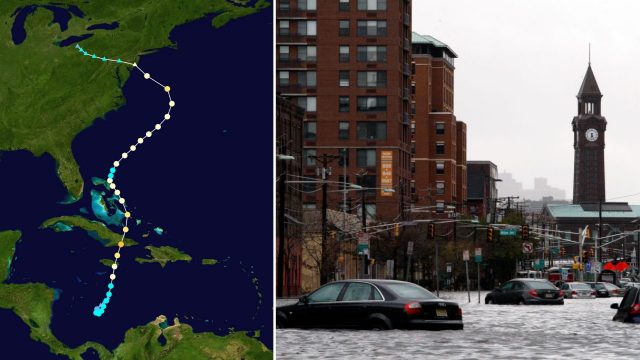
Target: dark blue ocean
<point x="205" y="178"/>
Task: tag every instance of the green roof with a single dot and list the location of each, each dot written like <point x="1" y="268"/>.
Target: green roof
<point x="577" y="211"/>
<point x="428" y="39"/>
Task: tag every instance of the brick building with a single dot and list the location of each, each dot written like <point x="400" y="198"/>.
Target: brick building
<point x="348" y="63"/>
<point x="483" y="193"/>
<point x="438" y="140"/>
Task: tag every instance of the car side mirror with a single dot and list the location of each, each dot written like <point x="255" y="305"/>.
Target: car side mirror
<point x="614" y="306"/>
<point x="304" y="299"/>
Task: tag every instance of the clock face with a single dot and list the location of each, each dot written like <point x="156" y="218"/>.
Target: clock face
<point x="591" y="134"/>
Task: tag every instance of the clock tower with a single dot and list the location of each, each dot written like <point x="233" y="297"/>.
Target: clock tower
<point x="588" y="143"/>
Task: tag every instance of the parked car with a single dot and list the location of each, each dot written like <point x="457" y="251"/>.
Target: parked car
<point x="612" y="289"/>
<point x="600" y="289"/>
<point x="578" y="290"/>
<point x="629" y="307"/>
<point x="526" y="291"/>
<point x="371" y="304"/>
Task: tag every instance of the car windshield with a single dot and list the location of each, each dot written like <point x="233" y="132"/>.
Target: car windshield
<point x="541" y="285"/>
<point x="580" y="286"/>
<point x="599" y="287"/>
<point x="610" y="286"/>
<point x="410" y="291"/>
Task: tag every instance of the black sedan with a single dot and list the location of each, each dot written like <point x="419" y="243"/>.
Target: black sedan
<point x="526" y="291"/>
<point x="371" y="304"/>
<point x="629" y="307"/>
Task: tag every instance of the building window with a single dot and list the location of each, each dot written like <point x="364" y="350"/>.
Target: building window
<point x="344" y="28"/>
<point x="284" y="78"/>
<point x="307" y="27"/>
<point x="343" y="104"/>
<point x="413" y="108"/>
<point x="370" y="211"/>
<point x="284" y="53"/>
<point x="371" y="130"/>
<point x="440" y="206"/>
<point x="440" y="188"/>
<point x="344" y="53"/>
<point x="372" y="28"/>
<point x="367" y="181"/>
<point x="309" y="206"/>
<point x="308" y="103"/>
<point x="307" y="53"/>
<point x="307" y="78"/>
<point x="309" y="187"/>
<point x="372" y="79"/>
<point x="372" y="103"/>
<point x="440" y="148"/>
<point x="372" y="53"/>
<point x="344" y="157"/>
<point x="284" y="5"/>
<point x="344" y="78"/>
<point x="344" y="182"/>
<point x="439" y="168"/>
<point x="309" y="157"/>
<point x="344" y="5"/>
<point x="413" y="167"/>
<point x="343" y="130"/>
<point x="284" y="27"/>
<point x="589" y="108"/>
<point x="439" y="128"/>
<point x="310" y="130"/>
<point x="366" y="158"/>
<point x="309" y="5"/>
<point x="377" y="5"/>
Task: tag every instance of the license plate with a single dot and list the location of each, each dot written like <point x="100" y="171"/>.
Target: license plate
<point x="441" y="312"/>
<point x="548" y="296"/>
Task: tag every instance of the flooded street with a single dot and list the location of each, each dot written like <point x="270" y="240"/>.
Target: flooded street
<point x="580" y="329"/>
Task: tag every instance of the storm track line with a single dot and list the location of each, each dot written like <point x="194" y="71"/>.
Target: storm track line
<point x="100" y="309"/>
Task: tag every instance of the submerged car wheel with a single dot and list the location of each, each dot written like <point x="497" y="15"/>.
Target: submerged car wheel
<point x="488" y="301"/>
<point x="521" y="302"/>
<point x="377" y="325"/>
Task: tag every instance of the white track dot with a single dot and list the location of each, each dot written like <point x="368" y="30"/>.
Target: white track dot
<point x="114" y="266"/>
<point x="167" y="116"/>
<point x="112" y="276"/>
<point x="158" y="126"/>
<point x="112" y="186"/>
<point x="116" y="163"/>
<point x="125" y="155"/>
<point x="147" y="75"/>
<point x="135" y="64"/>
<point x="117" y="192"/>
<point x="109" y="180"/>
<point x="172" y="103"/>
<point x="149" y="133"/>
<point x="121" y="201"/>
<point x="132" y="147"/>
<point x="140" y="140"/>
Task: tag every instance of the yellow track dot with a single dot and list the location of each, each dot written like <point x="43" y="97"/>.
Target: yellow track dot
<point x="167" y="116"/>
<point x="127" y="214"/>
<point x="109" y="180"/>
<point x="133" y="148"/>
<point x="117" y="192"/>
<point x="112" y="276"/>
<point x="116" y="255"/>
<point x="120" y="244"/>
<point x="121" y="200"/>
<point x="140" y="140"/>
<point x="112" y="186"/>
<point x="167" y="88"/>
<point x="158" y="126"/>
<point x="125" y="229"/>
<point x="149" y="133"/>
<point x="172" y="103"/>
<point x="114" y="266"/>
<point x="125" y="155"/>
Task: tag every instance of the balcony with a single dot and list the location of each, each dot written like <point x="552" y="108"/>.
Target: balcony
<point x="295" y="64"/>
<point x="406" y="19"/>
<point x="405" y="95"/>
<point x="406" y="119"/>
<point x="406" y="69"/>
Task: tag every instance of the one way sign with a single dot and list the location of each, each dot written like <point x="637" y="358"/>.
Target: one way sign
<point x="527" y="248"/>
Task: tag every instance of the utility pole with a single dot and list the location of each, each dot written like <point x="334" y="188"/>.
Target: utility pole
<point x="599" y="231"/>
<point x="281" y="229"/>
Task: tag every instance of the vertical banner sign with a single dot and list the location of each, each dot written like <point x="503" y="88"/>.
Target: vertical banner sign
<point x="386" y="172"/>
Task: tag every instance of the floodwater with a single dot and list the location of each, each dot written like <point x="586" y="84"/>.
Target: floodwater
<point x="581" y="328"/>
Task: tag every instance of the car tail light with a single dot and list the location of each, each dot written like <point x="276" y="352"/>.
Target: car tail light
<point x="574" y="294"/>
<point x="533" y="292"/>
<point x="460" y="312"/>
<point x="561" y="294"/>
<point x="593" y="293"/>
<point x="635" y="310"/>
<point x="616" y="291"/>
<point x="413" y="308"/>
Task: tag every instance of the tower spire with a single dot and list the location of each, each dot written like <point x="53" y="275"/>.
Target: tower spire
<point x="589" y="54"/>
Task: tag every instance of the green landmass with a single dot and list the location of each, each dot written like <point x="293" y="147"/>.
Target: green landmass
<point x="107" y="262"/>
<point x="8" y="240"/>
<point x="182" y="343"/>
<point x="54" y="93"/>
<point x="163" y="255"/>
<point x="95" y="229"/>
<point x="209" y="261"/>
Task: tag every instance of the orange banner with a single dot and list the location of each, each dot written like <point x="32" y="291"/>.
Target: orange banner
<point x="386" y="173"/>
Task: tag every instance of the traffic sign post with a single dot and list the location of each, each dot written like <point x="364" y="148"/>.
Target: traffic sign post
<point x="478" y="259"/>
<point x="508" y="232"/>
<point x="465" y="258"/>
<point x="527" y="248"/>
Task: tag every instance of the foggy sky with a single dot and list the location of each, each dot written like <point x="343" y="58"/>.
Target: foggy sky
<point x="519" y="69"/>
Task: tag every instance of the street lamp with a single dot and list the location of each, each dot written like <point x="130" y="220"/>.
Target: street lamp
<point x="282" y="158"/>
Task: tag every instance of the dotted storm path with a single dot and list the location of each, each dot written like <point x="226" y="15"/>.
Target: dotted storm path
<point x="100" y="309"/>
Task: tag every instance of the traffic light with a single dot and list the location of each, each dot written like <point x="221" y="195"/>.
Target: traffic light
<point x="396" y="230"/>
<point x="490" y="234"/>
<point x="431" y="231"/>
<point x="525" y="232"/>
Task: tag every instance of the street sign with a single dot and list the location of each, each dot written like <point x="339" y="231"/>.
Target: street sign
<point x="478" y="256"/>
<point x="465" y="255"/>
<point x="555" y="250"/>
<point x="410" y="248"/>
<point x="363" y="243"/>
<point x="448" y="267"/>
<point x="526" y="264"/>
<point x="508" y="232"/>
<point x="527" y="248"/>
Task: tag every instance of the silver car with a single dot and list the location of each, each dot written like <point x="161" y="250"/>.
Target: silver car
<point x="578" y="290"/>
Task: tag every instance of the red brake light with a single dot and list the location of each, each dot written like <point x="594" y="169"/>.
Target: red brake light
<point x="413" y="308"/>
<point x="460" y="312"/>
<point x="593" y="293"/>
<point x="561" y="293"/>
<point x="573" y="293"/>
<point x="635" y="310"/>
<point x="533" y="292"/>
